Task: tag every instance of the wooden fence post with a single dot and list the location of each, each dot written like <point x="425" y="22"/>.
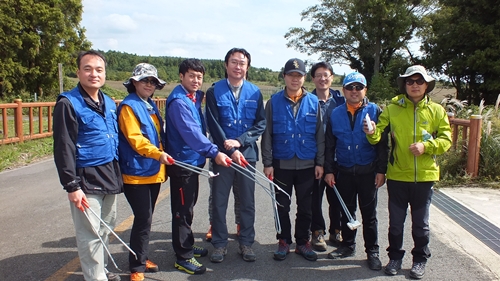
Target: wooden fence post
<point x="18" y="119"/>
<point x="474" y="145"/>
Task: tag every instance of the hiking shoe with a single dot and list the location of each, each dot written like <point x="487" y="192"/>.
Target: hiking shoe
<point x="247" y="253"/>
<point x="151" y="266"/>
<point x="208" y="237"/>
<point x="283" y="250"/>
<point x="136" y="276"/>
<point x="392" y="267"/>
<point x="113" y="276"/>
<point x="191" y="266"/>
<point x="374" y="262"/>
<point x="218" y="255"/>
<point x="318" y="240"/>
<point x="342" y="252"/>
<point x="417" y="270"/>
<point x="306" y="251"/>
<point x="238" y="228"/>
<point x="336" y="238"/>
<point x="199" y="252"/>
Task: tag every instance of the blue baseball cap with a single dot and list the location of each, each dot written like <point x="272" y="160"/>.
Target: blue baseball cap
<point x="354" y="77"/>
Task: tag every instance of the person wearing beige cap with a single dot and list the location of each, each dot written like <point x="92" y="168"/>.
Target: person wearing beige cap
<point x="419" y="130"/>
<point x="142" y="160"/>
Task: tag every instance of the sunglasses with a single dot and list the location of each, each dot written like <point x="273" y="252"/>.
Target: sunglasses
<point x="352" y="87"/>
<point x="152" y="82"/>
<point x="419" y="81"/>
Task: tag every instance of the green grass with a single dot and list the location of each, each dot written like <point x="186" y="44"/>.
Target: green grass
<point x="20" y="154"/>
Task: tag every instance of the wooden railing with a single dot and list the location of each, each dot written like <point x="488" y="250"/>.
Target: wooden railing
<point x="20" y="119"/>
<point x="470" y="142"/>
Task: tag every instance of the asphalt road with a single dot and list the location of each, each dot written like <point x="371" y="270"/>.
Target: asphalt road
<point x="38" y="241"/>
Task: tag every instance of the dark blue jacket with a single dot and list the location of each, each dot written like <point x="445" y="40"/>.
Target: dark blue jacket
<point x="327" y="106"/>
<point x="352" y="147"/>
<point x="97" y="140"/>
<point x="294" y="135"/>
<point x="131" y="162"/>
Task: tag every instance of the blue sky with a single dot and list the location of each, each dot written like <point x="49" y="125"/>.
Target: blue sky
<point x="198" y="28"/>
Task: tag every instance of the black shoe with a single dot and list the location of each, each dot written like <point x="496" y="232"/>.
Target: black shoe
<point x="417" y="270"/>
<point x="112" y="276"/>
<point x="342" y="252"/>
<point x="374" y="261"/>
<point x="392" y="267"/>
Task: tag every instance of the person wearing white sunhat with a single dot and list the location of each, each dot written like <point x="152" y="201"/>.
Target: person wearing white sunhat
<point x="142" y="160"/>
<point x="419" y="130"/>
<point x="356" y="167"/>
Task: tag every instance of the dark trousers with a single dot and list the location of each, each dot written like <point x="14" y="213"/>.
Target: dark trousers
<point x="184" y="187"/>
<point x="227" y="178"/>
<point x="142" y="200"/>
<point x="303" y="181"/>
<point x="361" y="187"/>
<point x="418" y="195"/>
<point x="334" y="209"/>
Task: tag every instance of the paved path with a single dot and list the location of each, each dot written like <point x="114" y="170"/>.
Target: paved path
<point x="38" y="240"/>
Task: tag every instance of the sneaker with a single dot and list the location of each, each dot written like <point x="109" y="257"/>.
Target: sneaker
<point x="247" y="253"/>
<point x="218" y="255"/>
<point x="112" y="276"/>
<point x="392" y="267"/>
<point x="417" y="270"/>
<point x="208" y="237"/>
<point x="199" y="252"/>
<point x="342" y="252"/>
<point x="151" y="266"/>
<point x="191" y="266"/>
<point x="136" y="276"/>
<point x="318" y="240"/>
<point x="336" y="238"/>
<point x="306" y="251"/>
<point x="283" y="250"/>
<point x="374" y="261"/>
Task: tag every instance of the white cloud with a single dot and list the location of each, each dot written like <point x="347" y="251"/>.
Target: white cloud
<point x="119" y="23"/>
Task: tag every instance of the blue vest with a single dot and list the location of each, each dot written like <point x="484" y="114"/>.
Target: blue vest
<point x="176" y="146"/>
<point x="294" y="135"/>
<point x="236" y="118"/>
<point x="97" y="140"/>
<point x="131" y="162"/>
<point x="352" y="146"/>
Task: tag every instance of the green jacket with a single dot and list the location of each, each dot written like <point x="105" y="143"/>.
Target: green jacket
<point x="406" y="123"/>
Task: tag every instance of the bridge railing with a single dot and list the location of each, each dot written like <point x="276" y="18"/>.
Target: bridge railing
<point x="470" y="142"/>
<point x="33" y="120"/>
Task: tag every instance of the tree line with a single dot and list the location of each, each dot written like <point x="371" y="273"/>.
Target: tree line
<point x="459" y="41"/>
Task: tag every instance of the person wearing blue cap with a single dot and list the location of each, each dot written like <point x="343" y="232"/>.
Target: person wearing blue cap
<point x="356" y="167"/>
<point x="293" y="155"/>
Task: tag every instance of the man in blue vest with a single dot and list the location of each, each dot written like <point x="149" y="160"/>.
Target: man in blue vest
<point x="356" y="167"/>
<point x="187" y="143"/>
<point x="235" y="119"/>
<point x="322" y="75"/>
<point x="86" y="158"/>
<point x="293" y="155"/>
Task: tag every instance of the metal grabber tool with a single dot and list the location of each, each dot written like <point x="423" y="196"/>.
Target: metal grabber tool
<point x="192" y="168"/>
<point x="352" y="224"/>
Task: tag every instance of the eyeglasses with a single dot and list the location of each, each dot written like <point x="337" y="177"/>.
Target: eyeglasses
<point x="324" y="75"/>
<point x="419" y="81"/>
<point x="236" y="63"/>
<point x="352" y="87"/>
<point x="151" y="82"/>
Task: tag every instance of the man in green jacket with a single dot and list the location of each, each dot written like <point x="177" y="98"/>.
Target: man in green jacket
<point x="419" y="130"/>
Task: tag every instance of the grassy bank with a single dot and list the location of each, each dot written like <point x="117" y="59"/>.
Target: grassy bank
<point x="21" y="154"/>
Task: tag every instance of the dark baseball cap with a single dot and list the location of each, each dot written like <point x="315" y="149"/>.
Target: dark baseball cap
<point x="295" y="65"/>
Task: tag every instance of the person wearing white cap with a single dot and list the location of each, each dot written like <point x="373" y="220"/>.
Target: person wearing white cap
<point x="142" y="160"/>
<point x="356" y="167"/>
<point x="293" y="155"/>
<point x="419" y="130"/>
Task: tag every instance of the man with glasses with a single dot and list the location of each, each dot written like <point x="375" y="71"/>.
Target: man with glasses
<point x="322" y="74"/>
<point x="359" y="167"/>
<point x="235" y="119"/>
<point x="293" y="155"/>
